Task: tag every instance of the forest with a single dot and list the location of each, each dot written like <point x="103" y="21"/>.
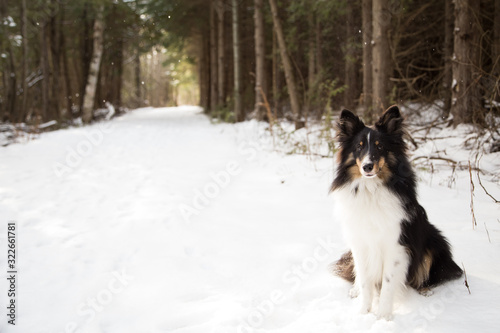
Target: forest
<point x="298" y="60"/>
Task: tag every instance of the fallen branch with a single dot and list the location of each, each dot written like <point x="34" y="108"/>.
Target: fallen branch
<point x="474" y="222"/>
<point x="480" y="183"/>
<point x="449" y="160"/>
<point x="466" y="282"/>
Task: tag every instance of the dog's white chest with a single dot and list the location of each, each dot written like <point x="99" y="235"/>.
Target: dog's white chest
<point x="370" y="213"/>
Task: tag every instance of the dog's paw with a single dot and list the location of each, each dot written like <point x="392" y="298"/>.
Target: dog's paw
<point x="426" y="292"/>
<point x="354" y="292"/>
<point x="387" y="315"/>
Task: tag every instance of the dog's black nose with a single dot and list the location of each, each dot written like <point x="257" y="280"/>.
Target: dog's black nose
<point x="368" y="167"/>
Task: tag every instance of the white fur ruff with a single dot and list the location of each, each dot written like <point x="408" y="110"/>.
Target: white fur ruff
<point x="371" y="219"/>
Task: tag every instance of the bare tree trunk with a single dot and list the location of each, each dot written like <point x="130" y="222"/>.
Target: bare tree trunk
<point x="495" y="48"/>
<point x="95" y="63"/>
<point x="381" y="55"/>
<point x="366" y="8"/>
<point x="64" y="55"/>
<point x="44" y="65"/>
<point x="238" y="110"/>
<point x="287" y="66"/>
<point x="9" y="73"/>
<point x="221" y="58"/>
<point x="311" y="56"/>
<point x="350" y="93"/>
<point x="55" y="59"/>
<point x="275" y="74"/>
<point x="24" y="70"/>
<point x="204" y="70"/>
<point x="319" y="54"/>
<point x="137" y="77"/>
<point x="213" y="58"/>
<point x="449" y="24"/>
<point x="260" y="55"/>
<point x="311" y="59"/>
<point x="86" y="53"/>
<point x="466" y="95"/>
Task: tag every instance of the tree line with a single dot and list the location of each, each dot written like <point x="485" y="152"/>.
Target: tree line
<point x="265" y="59"/>
<point x="301" y="58"/>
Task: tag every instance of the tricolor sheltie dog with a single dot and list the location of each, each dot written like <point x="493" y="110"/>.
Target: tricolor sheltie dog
<point x="392" y="244"/>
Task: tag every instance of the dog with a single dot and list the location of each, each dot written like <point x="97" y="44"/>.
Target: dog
<point x="392" y="243"/>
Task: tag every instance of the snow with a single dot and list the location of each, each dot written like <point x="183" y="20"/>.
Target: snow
<point x="161" y="221"/>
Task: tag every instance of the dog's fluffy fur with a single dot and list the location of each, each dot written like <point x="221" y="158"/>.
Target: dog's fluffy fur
<point x="392" y="243"/>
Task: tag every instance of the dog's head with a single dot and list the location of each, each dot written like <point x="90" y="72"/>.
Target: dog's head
<point x="370" y="151"/>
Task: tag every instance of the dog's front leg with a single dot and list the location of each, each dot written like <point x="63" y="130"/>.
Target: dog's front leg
<point x="393" y="279"/>
<point x="363" y="283"/>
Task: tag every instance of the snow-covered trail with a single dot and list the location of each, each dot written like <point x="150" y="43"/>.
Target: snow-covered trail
<point x="159" y="221"/>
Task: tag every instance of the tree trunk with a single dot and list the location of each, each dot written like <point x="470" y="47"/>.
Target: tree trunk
<point x="213" y="58"/>
<point x="366" y="8"/>
<point x="95" y="63"/>
<point x="381" y="55"/>
<point x="86" y="53"/>
<point x="350" y="94"/>
<point x="55" y="59"/>
<point x="449" y="25"/>
<point x="24" y="70"/>
<point x="311" y="56"/>
<point x="495" y="48"/>
<point x="137" y="77"/>
<point x="238" y="110"/>
<point x="466" y="95"/>
<point x="319" y="53"/>
<point x="9" y="74"/>
<point x="275" y="75"/>
<point x="64" y="56"/>
<point x="260" y="76"/>
<point x="221" y="58"/>
<point x="204" y="71"/>
<point x="287" y="66"/>
<point x="44" y="65"/>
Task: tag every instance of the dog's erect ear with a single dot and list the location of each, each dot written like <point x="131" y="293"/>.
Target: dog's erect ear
<point x="349" y="124"/>
<point x="391" y="121"/>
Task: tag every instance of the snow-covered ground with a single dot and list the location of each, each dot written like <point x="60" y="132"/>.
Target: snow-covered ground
<point x="159" y="221"/>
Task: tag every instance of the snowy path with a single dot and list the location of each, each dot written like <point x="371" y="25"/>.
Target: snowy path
<point x="159" y="221"/>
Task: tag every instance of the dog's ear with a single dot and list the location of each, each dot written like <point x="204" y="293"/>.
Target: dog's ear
<point x="349" y="124"/>
<point x="391" y="121"/>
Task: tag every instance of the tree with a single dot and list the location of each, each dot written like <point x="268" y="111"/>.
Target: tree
<point x="24" y="71"/>
<point x="367" y="31"/>
<point x="213" y="57"/>
<point x="260" y="78"/>
<point x="351" y="92"/>
<point x="238" y="110"/>
<point x="466" y="95"/>
<point x="381" y="54"/>
<point x="221" y="61"/>
<point x="95" y="64"/>
<point x="287" y="66"/>
<point x="449" y="25"/>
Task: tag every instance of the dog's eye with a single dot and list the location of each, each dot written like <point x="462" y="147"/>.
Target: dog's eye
<point x="359" y="147"/>
<point x="379" y="147"/>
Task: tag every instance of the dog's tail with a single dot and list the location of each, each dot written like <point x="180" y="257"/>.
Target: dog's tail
<point x="344" y="267"/>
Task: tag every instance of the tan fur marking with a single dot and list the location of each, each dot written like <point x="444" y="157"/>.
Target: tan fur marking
<point x="354" y="171"/>
<point x="339" y="156"/>
<point x="384" y="172"/>
<point x="423" y="271"/>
